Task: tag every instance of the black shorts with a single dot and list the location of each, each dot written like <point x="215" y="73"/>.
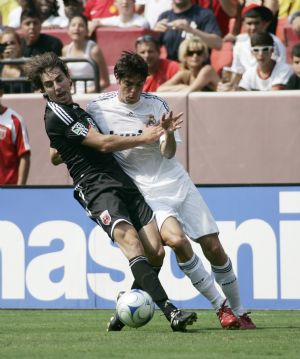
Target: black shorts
<point x="109" y="201"/>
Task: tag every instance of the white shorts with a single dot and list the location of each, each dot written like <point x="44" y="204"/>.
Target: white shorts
<point x="186" y="204"/>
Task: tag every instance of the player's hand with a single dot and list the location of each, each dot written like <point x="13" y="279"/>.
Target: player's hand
<point x="170" y="122"/>
<point x="152" y="133"/>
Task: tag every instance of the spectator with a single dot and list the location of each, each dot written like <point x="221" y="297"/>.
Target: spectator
<point x="11" y="47"/>
<point x="95" y="9"/>
<point x="49" y="14"/>
<point x="294" y="81"/>
<point x="14" y="17"/>
<point x="160" y="70"/>
<point x="272" y="5"/>
<point x="256" y="20"/>
<point x="151" y="9"/>
<point x="73" y="7"/>
<point x="82" y="47"/>
<point x="294" y="20"/>
<point x="33" y="42"/>
<point x="196" y="74"/>
<point x="14" y="147"/>
<point x="267" y="74"/>
<point x="186" y="19"/>
<point x="126" y="17"/>
<point x="223" y="11"/>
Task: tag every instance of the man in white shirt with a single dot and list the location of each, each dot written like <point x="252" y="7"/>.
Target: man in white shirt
<point x="267" y="74"/>
<point x="256" y="20"/>
<point x="179" y="208"/>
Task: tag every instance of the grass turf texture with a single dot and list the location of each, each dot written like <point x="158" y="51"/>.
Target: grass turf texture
<point x="42" y="334"/>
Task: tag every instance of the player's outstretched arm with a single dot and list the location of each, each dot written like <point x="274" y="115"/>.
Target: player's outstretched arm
<point x="112" y="143"/>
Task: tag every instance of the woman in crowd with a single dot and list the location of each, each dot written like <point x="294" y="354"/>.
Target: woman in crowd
<point x="195" y="74"/>
<point x="82" y="47"/>
<point x="10" y="44"/>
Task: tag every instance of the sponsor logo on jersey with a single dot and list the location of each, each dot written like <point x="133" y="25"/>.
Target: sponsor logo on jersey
<point x="105" y="218"/>
<point x="131" y="114"/>
<point x="79" y="129"/>
<point x="2" y="132"/>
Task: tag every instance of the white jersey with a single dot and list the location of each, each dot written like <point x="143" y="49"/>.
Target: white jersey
<point x="243" y="58"/>
<point x="252" y="82"/>
<point x="144" y="164"/>
<point x="164" y="183"/>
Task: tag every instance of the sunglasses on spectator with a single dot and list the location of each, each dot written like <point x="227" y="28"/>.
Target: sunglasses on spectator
<point x="192" y="52"/>
<point x="262" y="49"/>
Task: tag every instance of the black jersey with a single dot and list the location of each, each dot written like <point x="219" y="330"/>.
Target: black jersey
<point x="67" y="126"/>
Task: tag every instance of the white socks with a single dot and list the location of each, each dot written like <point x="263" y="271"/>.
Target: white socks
<point x="227" y="280"/>
<point x="202" y="280"/>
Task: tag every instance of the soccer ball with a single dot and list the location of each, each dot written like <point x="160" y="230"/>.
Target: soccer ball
<point x="135" y="308"/>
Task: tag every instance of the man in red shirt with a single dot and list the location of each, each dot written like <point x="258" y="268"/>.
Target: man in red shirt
<point x="160" y="70"/>
<point x="14" y="147"/>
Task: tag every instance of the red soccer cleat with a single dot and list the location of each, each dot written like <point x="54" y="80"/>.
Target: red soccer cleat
<point x="227" y="319"/>
<point x="246" y="322"/>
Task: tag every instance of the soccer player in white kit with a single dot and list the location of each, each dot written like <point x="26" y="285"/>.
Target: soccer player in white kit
<point x="168" y="189"/>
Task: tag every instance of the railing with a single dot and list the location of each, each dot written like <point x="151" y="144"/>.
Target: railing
<point x="23" y="85"/>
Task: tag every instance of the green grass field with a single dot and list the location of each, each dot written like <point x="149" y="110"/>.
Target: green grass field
<point x="82" y="334"/>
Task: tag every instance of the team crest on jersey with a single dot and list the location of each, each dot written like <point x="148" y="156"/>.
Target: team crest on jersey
<point x="105" y="218"/>
<point x="79" y="129"/>
<point x="2" y="132"/>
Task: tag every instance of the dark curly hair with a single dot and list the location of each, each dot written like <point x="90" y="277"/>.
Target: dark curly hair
<point x="38" y="64"/>
<point x="130" y="64"/>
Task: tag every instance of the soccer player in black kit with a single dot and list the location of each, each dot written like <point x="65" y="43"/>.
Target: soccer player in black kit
<point x="109" y="196"/>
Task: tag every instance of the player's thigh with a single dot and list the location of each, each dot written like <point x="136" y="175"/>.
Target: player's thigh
<point x="195" y="215"/>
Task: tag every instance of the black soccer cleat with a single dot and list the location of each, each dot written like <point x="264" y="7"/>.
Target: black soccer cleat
<point x="180" y="319"/>
<point x="115" y="324"/>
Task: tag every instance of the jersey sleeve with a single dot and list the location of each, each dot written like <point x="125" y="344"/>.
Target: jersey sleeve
<point x="22" y="140"/>
<point x="71" y="124"/>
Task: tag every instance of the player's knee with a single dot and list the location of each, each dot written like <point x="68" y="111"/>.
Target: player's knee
<point x="176" y="241"/>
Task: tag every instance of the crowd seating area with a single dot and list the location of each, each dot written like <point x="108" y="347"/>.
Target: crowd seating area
<point x="228" y="138"/>
<point x="113" y="41"/>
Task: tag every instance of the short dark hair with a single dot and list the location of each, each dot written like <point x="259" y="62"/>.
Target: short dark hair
<point x="130" y="64"/>
<point x="146" y="39"/>
<point x="30" y="12"/>
<point x="296" y="50"/>
<point x="261" y="39"/>
<point x="38" y="64"/>
<point x="83" y="17"/>
<point x="261" y="12"/>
